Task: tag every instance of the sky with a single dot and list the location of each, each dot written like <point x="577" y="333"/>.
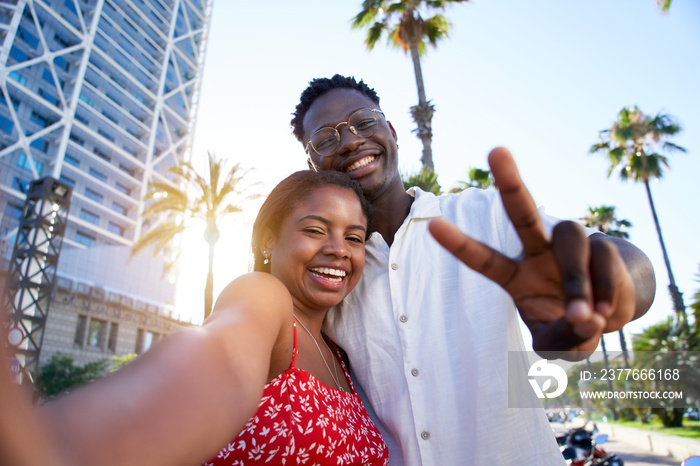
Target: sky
<point x="541" y="77"/>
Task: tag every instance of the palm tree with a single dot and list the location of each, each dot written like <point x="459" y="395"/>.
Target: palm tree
<point x="632" y="146"/>
<point x="478" y="178"/>
<point x="664" y="5"/>
<point x="211" y="202"/>
<point x="425" y="179"/>
<point x="407" y="28"/>
<point x="603" y="218"/>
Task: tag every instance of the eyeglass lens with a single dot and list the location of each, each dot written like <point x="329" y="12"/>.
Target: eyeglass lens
<point x="326" y="140"/>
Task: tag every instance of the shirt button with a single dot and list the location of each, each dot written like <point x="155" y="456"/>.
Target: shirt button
<point x="414" y="372"/>
<point x="425" y="435"/>
<point x="403" y="319"/>
<point x="394" y="266"/>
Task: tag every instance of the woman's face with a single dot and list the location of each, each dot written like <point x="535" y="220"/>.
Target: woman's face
<point x="320" y="250"/>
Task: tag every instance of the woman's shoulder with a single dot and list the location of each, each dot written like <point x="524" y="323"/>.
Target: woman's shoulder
<point x="258" y="288"/>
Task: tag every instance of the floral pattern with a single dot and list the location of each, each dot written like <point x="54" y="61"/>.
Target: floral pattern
<point x="301" y="421"/>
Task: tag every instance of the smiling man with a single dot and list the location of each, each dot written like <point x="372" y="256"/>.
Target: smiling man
<point x="428" y="338"/>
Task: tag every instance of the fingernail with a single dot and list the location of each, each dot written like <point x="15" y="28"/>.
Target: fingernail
<point x="578" y="311"/>
<point x="603" y="308"/>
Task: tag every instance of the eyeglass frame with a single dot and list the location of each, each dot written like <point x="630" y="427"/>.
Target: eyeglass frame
<point x="351" y="128"/>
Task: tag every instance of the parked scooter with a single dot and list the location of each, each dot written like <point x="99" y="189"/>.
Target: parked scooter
<point x="580" y="448"/>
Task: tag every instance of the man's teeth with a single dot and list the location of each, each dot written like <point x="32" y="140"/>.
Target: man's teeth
<point x="360" y="163"/>
<point x="327" y="271"/>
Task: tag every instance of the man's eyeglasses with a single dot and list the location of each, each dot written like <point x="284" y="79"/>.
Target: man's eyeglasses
<point x="326" y="141"/>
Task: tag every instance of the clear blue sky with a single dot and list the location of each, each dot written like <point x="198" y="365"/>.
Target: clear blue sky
<point x="539" y="77"/>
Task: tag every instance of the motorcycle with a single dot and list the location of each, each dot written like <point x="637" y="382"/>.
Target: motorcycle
<point x="580" y="448"/>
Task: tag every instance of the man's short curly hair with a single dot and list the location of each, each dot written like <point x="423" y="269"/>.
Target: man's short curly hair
<point x="319" y="86"/>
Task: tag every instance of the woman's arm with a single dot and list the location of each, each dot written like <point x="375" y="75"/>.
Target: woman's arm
<point x="184" y="399"/>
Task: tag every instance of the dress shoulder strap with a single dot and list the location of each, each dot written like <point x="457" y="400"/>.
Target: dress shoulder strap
<point x="296" y="346"/>
<point x="342" y="363"/>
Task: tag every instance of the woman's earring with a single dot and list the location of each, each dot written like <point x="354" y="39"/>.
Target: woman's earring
<point x="267" y="257"/>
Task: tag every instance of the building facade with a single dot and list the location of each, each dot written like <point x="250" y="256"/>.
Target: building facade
<point x="102" y="95"/>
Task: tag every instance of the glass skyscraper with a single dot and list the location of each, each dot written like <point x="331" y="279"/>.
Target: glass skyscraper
<point x="101" y="94"/>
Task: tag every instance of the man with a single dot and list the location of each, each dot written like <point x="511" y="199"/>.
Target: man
<point x="428" y="338"/>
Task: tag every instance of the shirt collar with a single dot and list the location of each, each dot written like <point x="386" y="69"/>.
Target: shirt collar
<point x="425" y="205"/>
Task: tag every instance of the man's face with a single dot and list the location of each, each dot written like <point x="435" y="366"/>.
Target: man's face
<point x="373" y="161"/>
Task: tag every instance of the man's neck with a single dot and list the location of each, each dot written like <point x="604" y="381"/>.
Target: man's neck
<point x="390" y="211"/>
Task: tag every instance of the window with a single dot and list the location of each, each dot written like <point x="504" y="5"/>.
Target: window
<point x="6" y="125"/>
<point x="61" y="63"/>
<point x="85" y="239"/>
<point x="89" y="217"/>
<point x="14" y="211"/>
<point x="40" y="144"/>
<point x="77" y="140"/>
<point x="18" y="55"/>
<point x="61" y="40"/>
<point x="116" y="229"/>
<point x="47" y="76"/>
<point x="105" y="135"/>
<point x="86" y="99"/>
<point x="95" y="196"/>
<point x="96" y="333"/>
<point x="70" y="5"/>
<point x="110" y="117"/>
<point x="122" y="189"/>
<point x="119" y="208"/>
<point x="97" y="174"/>
<point x="81" y="118"/>
<point x="69" y="181"/>
<point x="144" y="340"/>
<point x="113" y="99"/>
<point x="18" y="77"/>
<point x="113" y="332"/>
<point x="50" y="98"/>
<point x="102" y="154"/>
<point x="80" y="330"/>
<point x="71" y="160"/>
<point x="29" y="38"/>
<point x="133" y="133"/>
<point x="39" y="119"/>
<point x="125" y="169"/>
<point x="23" y="161"/>
<point x="20" y="185"/>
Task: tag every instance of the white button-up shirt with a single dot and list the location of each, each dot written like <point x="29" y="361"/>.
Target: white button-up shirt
<point x="428" y="341"/>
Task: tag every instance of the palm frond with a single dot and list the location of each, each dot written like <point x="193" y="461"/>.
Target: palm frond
<point x="158" y="236"/>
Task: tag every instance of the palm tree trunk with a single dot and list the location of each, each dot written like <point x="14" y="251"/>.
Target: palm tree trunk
<point x="209" y="287"/>
<point x="623" y="346"/>
<point x="613" y="408"/>
<point x="676" y="295"/>
<point x="422" y="113"/>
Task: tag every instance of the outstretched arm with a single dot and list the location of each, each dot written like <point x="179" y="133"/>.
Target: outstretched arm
<point x="178" y="403"/>
<point x="568" y="289"/>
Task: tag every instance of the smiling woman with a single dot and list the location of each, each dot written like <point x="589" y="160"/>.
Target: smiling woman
<point x="189" y="396"/>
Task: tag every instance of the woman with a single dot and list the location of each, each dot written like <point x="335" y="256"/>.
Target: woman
<point x="190" y="395"/>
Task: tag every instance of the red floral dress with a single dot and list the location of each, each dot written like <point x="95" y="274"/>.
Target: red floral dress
<point x="301" y="421"/>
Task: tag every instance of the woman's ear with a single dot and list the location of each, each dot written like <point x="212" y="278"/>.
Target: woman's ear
<point x="267" y="241"/>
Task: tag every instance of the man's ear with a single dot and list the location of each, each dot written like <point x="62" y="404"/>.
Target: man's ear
<point x="312" y="166"/>
<point x="267" y="241"/>
<point x="393" y="131"/>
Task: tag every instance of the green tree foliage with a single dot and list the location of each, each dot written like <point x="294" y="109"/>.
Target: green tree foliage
<point x="120" y="361"/>
<point x="61" y="374"/>
<point x="603" y="218"/>
<point x="664" y="5"/>
<point x="674" y="345"/>
<point x="634" y="146"/>
<point x="425" y="179"/>
<point x="478" y="178"/>
<point x="410" y="25"/>
<point x="175" y="207"/>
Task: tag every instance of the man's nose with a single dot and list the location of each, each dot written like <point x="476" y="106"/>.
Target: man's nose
<point x="349" y="141"/>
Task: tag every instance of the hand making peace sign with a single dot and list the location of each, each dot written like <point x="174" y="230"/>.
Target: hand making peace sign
<point x="568" y="289"/>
